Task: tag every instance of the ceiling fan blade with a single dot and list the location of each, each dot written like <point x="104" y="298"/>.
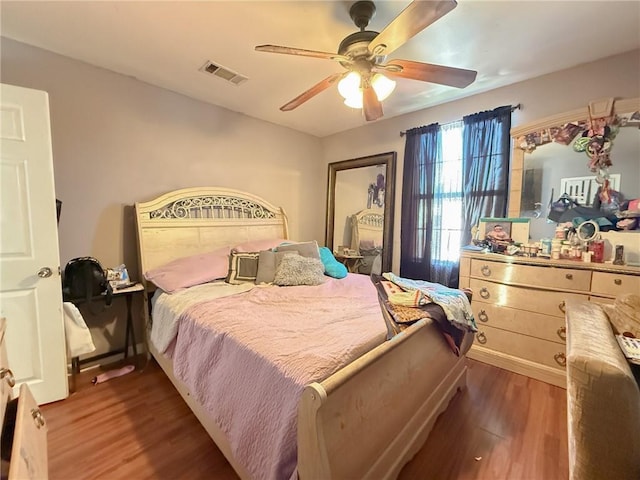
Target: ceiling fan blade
<point x="312" y="92"/>
<point x="371" y="106"/>
<point x="428" y="72"/>
<point x="302" y="52"/>
<point x="411" y="21"/>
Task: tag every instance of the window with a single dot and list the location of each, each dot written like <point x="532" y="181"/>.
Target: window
<point x="454" y="174"/>
<point x="447" y="219"/>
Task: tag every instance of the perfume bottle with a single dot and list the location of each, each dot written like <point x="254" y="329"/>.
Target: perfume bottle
<point x="618" y="259"/>
<point x="597" y="247"/>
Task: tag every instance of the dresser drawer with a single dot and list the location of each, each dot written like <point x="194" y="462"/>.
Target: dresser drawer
<point x="6" y="375"/>
<point x="614" y="284"/>
<point x="536" y="350"/>
<point x="531" y="324"/>
<point x="602" y="300"/>
<point x="543" y="277"/>
<point x="29" y="438"/>
<point x="520" y="298"/>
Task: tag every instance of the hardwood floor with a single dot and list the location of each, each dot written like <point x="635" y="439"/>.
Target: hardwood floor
<point x="502" y="426"/>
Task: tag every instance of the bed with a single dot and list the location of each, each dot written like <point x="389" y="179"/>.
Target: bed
<point x="366" y="239"/>
<point x="364" y="399"/>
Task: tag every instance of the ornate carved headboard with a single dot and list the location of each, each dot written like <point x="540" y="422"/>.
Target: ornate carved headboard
<point x="196" y="220"/>
<point x="367" y="224"/>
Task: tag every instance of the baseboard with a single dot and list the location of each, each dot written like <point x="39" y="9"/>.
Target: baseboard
<point x="538" y="371"/>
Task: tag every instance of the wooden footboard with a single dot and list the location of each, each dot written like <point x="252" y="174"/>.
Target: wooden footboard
<point x="370" y="418"/>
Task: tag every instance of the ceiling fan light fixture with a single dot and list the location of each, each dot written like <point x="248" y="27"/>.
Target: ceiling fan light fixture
<point x="383" y="86"/>
<point x="354" y="102"/>
<point x="349" y="86"/>
<point x="363" y="54"/>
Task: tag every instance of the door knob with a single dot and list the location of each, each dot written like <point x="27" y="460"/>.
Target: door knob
<point x="45" y="272"/>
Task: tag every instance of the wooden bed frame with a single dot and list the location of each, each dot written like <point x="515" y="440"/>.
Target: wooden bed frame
<point x="366" y="420"/>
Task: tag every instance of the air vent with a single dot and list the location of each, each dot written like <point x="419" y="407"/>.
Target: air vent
<point x="223" y="72"/>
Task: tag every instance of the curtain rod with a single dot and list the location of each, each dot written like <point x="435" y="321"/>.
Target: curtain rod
<point x="516" y="107"/>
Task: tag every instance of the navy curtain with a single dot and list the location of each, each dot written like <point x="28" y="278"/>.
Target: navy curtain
<point x="485" y="160"/>
<point x="420" y="157"/>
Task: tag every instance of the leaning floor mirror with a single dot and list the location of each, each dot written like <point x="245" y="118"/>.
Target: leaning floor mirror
<point x="360" y="199"/>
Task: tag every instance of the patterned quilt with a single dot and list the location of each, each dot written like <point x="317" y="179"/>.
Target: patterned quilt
<point x="454" y="302"/>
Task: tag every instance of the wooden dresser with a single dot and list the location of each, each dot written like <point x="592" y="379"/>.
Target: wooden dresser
<point x="24" y="431"/>
<point x="519" y="303"/>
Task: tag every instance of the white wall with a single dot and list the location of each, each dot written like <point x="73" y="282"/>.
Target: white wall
<point x="117" y="141"/>
<point x="616" y="76"/>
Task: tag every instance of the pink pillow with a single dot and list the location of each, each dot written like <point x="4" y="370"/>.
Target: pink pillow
<point x="189" y="271"/>
<point x="259" y="245"/>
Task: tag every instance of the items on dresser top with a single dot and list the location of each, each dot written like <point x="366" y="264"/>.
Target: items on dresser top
<point x="520" y="306"/>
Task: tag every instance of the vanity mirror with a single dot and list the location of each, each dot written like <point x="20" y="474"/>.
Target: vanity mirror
<point x="542" y="170"/>
<point x="360" y="203"/>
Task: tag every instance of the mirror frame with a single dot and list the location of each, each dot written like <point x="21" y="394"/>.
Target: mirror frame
<point x="517" y="154"/>
<point x="389" y="160"/>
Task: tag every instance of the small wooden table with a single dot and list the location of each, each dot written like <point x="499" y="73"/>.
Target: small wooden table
<point x="128" y="294"/>
<point x="352" y="262"/>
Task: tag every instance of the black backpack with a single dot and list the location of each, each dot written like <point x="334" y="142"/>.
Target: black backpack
<point x="84" y="278"/>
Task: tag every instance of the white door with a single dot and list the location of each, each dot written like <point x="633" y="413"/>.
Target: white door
<point x="30" y="291"/>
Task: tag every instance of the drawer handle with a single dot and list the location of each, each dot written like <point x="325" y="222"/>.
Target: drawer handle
<point x="484" y="293"/>
<point x="560" y="359"/>
<point x="8" y="374"/>
<point x="561" y="306"/>
<point x="37" y="417"/>
<point x="486" y="271"/>
<point x="482" y="316"/>
<point x="482" y="338"/>
<point x="562" y="333"/>
<point x="618" y="281"/>
<point x="569" y="276"/>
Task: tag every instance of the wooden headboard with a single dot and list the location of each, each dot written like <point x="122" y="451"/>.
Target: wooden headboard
<point x="197" y="220"/>
<point x="367" y="224"/>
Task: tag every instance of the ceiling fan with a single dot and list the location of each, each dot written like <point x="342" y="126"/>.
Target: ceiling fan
<point x="365" y="83"/>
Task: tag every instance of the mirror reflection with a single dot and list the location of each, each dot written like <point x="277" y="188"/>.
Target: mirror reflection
<point x="553" y="169"/>
<point x="360" y="212"/>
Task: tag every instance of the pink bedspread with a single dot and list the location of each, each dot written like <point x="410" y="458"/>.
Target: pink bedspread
<point x="247" y="358"/>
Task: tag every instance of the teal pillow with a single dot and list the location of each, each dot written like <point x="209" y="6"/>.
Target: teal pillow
<point x="332" y="267"/>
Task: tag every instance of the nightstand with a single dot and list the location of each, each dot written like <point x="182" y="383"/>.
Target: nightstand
<point x="127" y="293"/>
<point x="352" y="262"/>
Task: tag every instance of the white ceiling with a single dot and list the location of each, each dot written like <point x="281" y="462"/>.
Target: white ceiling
<point x="165" y="43"/>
